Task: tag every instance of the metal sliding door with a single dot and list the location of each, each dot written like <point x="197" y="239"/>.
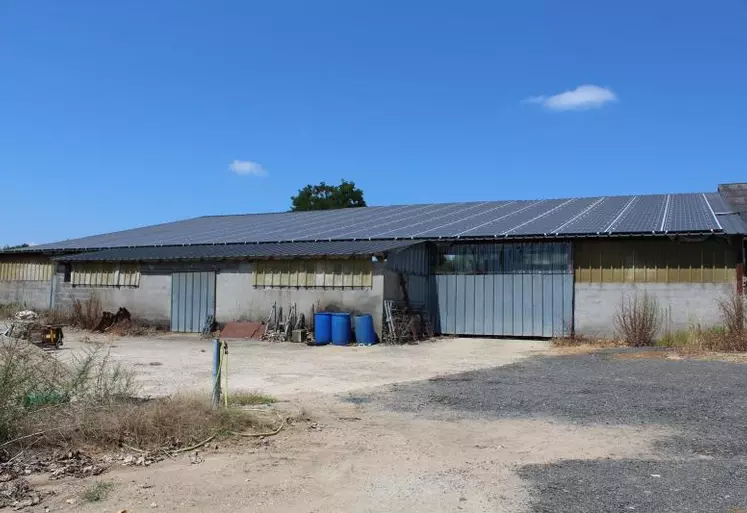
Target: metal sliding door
<point x="522" y="289"/>
<point x="192" y="300"/>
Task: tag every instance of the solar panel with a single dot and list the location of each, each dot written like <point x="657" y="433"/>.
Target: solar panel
<point x="501" y="226"/>
<point x="644" y="216"/>
<point x="556" y="217"/>
<point x="689" y="212"/>
<point x="548" y="222"/>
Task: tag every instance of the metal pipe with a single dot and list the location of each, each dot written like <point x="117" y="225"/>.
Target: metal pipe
<point x="216" y="371"/>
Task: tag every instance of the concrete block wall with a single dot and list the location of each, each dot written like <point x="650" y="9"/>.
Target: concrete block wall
<point x="682" y="303"/>
<point x="237" y="299"/>
<point x="35" y="295"/>
<point x="150" y="302"/>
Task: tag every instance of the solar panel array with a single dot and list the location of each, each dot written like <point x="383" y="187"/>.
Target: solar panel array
<point x="608" y="215"/>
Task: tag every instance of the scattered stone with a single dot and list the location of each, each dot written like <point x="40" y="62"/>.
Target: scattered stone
<point x="153" y="505"/>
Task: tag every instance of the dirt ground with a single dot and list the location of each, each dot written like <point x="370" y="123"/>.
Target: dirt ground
<point x="177" y="362"/>
<point x="372" y="445"/>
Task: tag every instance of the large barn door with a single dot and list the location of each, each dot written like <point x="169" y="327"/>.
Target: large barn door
<point x="522" y="290"/>
<point x="192" y="300"/>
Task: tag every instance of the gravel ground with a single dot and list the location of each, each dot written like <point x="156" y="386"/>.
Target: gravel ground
<point x="702" y="467"/>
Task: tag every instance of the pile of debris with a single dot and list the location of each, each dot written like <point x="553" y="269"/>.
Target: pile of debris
<point x="57" y="464"/>
<point x="15" y="490"/>
<point x="18" y="494"/>
<point x="109" y="319"/>
<point x="406" y="322"/>
<point x="25" y="323"/>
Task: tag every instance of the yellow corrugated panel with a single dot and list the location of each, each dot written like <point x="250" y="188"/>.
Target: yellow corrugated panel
<point x="654" y="261"/>
<point x="105" y="275"/>
<point x="313" y="273"/>
<point x="34" y="269"/>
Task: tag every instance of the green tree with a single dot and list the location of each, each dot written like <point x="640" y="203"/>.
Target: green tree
<point x="328" y="197"/>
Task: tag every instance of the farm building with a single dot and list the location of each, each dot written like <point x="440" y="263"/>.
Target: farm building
<point x="497" y="268"/>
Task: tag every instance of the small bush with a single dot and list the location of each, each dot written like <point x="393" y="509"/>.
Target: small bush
<point x="638" y="320"/>
<point x="243" y="398"/>
<point x="98" y="491"/>
<point x="55" y="316"/>
<point x="86" y="314"/>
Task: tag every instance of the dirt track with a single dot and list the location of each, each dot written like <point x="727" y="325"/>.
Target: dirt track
<point x="581" y="432"/>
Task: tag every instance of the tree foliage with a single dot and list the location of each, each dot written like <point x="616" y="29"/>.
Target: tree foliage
<point x="19" y="246"/>
<point x="328" y="197"/>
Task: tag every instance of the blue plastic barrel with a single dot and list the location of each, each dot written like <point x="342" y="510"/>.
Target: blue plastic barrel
<point x="340" y="328"/>
<point x="364" y="330"/>
<point x="322" y="327"/>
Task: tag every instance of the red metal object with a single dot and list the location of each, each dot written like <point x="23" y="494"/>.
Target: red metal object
<point x="251" y="330"/>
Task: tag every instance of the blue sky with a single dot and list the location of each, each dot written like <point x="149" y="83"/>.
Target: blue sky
<point x="122" y="114"/>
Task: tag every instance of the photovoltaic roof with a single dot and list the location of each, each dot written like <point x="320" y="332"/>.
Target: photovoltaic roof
<point x="551" y="218"/>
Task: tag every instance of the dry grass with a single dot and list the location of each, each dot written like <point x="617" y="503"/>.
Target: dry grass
<point x="583" y="341"/>
<point x="638" y="320"/>
<point x="132" y="328"/>
<point x="730" y="337"/>
<point x="244" y="398"/>
<point x="7" y="310"/>
<point x="168" y="422"/>
<point x="90" y="404"/>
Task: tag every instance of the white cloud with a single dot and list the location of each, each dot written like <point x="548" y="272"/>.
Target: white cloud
<point x="583" y="97"/>
<point x="247" y="167"/>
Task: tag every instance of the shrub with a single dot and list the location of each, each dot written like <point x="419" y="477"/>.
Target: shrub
<point x="91" y="403"/>
<point x="98" y="491"/>
<point x="638" y="320"/>
<point x="31" y="379"/>
<point x="86" y="314"/>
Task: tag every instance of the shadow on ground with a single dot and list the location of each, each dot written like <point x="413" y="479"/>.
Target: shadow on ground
<point x="702" y="467"/>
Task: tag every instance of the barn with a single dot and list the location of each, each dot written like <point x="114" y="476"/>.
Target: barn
<point x="494" y="268"/>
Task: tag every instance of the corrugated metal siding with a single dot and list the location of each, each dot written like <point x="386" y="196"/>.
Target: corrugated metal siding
<point x="503" y="289"/>
<point x="36" y="269"/>
<point x="105" y="275"/>
<point x="415" y="260"/>
<point x="521" y="305"/>
<point x="352" y="274"/>
<point x="192" y="300"/>
<point x="655" y="261"/>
